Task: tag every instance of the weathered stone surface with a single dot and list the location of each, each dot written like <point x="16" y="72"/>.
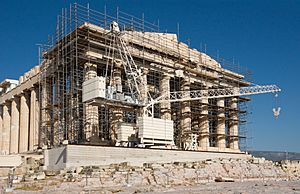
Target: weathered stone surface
<point x="52" y="172"/>
<point x="166" y="175"/>
<point x="40" y="176"/>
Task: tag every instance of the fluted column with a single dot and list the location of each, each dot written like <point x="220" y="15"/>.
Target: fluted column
<point x="117" y="78"/>
<point x="221" y="124"/>
<point x="165" y="107"/>
<point x="233" y="127"/>
<point x="24" y="123"/>
<point x="6" y="128"/>
<point x="37" y="120"/>
<point x="34" y="120"/>
<point x="195" y="122"/>
<point x="186" y="121"/>
<point x="203" y="124"/>
<point x="116" y="119"/>
<point x="117" y="113"/>
<point x="91" y="112"/>
<point x="14" y="129"/>
<point x="144" y="86"/>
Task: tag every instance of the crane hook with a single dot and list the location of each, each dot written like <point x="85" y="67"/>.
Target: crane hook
<point x="276" y="111"/>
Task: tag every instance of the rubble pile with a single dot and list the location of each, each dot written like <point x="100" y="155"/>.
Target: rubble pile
<point x="31" y="175"/>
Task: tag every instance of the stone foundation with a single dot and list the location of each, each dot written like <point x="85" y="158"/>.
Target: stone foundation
<point x="85" y="155"/>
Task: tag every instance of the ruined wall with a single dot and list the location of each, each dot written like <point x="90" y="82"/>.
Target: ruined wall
<point x="150" y="175"/>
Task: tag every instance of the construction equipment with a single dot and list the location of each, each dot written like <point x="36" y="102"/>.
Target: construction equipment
<point x="133" y="73"/>
<point x="179" y="96"/>
<point x="276" y="111"/>
<point x="134" y="77"/>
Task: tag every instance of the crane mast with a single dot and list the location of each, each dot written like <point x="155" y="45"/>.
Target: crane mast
<point x="133" y="73"/>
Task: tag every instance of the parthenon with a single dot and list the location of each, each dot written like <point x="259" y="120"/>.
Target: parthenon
<point x="81" y="92"/>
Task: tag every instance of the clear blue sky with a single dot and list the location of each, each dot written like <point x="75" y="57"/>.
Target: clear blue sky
<point x="262" y="35"/>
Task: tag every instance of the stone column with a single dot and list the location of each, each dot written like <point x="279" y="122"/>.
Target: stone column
<point x="144" y="91"/>
<point x="117" y="113"/>
<point x="195" y="123"/>
<point x="1" y="127"/>
<point x="34" y="120"/>
<point x="186" y="121"/>
<point x="44" y="141"/>
<point x="90" y="71"/>
<point x="6" y="128"/>
<point x="221" y="124"/>
<point x="24" y="123"/>
<point x="117" y="77"/>
<point x="14" y="128"/>
<point x="165" y="107"/>
<point x="91" y="112"/>
<point x="233" y="126"/>
<point x="116" y="119"/>
<point x="144" y="86"/>
<point x="37" y="120"/>
<point x="203" y="124"/>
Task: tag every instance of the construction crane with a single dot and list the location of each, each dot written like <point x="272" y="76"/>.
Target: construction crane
<point x="179" y="96"/>
<point x="134" y="77"/>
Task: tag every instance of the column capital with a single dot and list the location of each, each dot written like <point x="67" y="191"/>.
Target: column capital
<point x="233" y="103"/>
<point x="90" y="64"/>
<point x="145" y="71"/>
<point x="234" y="99"/>
<point x="220" y="102"/>
<point x="25" y="92"/>
<point x="186" y="79"/>
<point x="118" y="63"/>
<point x="33" y="87"/>
<point x="7" y="102"/>
<point x="166" y="76"/>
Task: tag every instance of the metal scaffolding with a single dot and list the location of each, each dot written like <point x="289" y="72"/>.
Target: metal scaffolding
<point x="63" y="71"/>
